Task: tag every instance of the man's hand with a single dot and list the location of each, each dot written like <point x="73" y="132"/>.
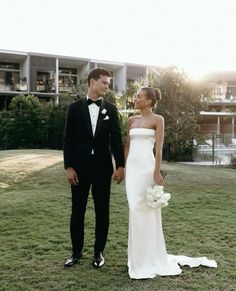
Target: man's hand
<point x="118" y="175"/>
<point x="72" y="176"/>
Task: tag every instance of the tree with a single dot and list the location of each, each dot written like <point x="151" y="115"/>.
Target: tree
<point x="111" y="96"/>
<point x="4" y="117"/>
<point x="82" y="88"/>
<point x="182" y="100"/>
<point x="56" y="124"/>
<point x="126" y="101"/>
<point x="27" y="125"/>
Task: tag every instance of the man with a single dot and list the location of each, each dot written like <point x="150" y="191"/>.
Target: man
<point x="92" y="133"/>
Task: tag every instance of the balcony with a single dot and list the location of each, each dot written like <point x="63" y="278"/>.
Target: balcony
<point x="10" y="79"/>
<point x="221" y="99"/>
<point x="13" y="87"/>
<point x="67" y="83"/>
<point x="46" y="82"/>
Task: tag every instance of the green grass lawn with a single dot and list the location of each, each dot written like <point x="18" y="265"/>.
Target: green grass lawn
<point x="35" y="240"/>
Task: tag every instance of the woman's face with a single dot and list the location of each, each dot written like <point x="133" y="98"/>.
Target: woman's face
<point x="140" y="100"/>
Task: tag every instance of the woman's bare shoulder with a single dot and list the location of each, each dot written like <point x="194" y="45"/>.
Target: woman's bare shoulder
<point x="158" y="118"/>
<point x="132" y="118"/>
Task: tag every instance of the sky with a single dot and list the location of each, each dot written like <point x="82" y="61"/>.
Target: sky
<point x="195" y="35"/>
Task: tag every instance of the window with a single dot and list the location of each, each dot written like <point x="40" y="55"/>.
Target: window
<point x="45" y="82"/>
<point x="9" y="76"/>
<point x="9" y="66"/>
<point x="68" y="80"/>
<point x="218" y="90"/>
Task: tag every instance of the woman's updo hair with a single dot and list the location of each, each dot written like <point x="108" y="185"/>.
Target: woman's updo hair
<point x="153" y="94"/>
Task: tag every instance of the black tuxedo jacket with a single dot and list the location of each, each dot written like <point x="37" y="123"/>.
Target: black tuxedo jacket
<point x="79" y="140"/>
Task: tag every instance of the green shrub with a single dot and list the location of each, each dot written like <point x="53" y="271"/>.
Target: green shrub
<point x="56" y="124"/>
<point x="26" y="126"/>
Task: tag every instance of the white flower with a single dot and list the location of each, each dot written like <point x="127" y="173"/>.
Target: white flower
<point x="103" y="111"/>
<point x="156" y="197"/>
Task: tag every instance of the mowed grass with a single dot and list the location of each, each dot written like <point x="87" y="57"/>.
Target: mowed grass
<point x="34" y="228"/>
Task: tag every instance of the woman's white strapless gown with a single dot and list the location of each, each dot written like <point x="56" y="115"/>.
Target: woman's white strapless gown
<point x="147" y="256"/>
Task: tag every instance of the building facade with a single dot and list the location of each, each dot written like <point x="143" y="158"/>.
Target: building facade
<point x="220" y="118"/>
<point x="50" y="76"/>
<point x="216" y="140"/>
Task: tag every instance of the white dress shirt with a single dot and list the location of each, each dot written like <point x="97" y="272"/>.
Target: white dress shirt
<point x="93" y="112"/>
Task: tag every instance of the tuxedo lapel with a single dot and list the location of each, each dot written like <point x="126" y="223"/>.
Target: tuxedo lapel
<point x="87" y="116"/>
<point x="100" y="117"/>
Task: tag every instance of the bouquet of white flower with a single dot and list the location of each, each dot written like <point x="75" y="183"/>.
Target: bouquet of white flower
<point x="156" y="197"/>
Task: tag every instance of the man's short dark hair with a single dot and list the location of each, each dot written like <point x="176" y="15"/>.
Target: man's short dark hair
<point x="97" y="73"/>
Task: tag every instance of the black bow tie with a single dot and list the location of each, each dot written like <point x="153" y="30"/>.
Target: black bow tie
<point x="97" y="102"/>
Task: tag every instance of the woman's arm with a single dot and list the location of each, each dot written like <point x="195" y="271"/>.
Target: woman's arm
<point x="160" y="127"/>
<point x="127" y="140"/>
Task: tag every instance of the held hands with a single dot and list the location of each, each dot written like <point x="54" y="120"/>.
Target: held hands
<point x="118" y="175"/>
<point x="72" y="176"/>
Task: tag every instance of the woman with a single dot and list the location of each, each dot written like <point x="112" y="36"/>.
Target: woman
<point x="147" y="256"/>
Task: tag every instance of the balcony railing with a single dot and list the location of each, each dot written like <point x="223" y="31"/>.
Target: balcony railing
<point x="13" y="87"/>
<point x="222" y="99"/>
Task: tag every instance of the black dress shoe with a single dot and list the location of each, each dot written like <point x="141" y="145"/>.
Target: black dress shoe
<point x="72" y="260"/>
<point x="98" y="260"/>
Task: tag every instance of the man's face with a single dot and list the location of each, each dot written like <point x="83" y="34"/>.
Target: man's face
<point x="100" y="86"/>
